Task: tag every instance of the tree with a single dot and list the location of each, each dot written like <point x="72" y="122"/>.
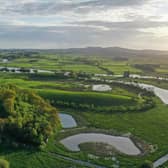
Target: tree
<point x="126" y="74"/>
<point x="4" y="163"/>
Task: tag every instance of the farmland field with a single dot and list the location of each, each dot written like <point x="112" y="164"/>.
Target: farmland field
<point x="125" y="110"/>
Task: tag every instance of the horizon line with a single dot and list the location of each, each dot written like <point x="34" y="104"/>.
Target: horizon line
<point x="66" y="48"/>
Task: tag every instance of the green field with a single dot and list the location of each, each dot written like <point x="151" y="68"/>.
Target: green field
<point x="74" y="95"/>
<point x="87" y="97"/>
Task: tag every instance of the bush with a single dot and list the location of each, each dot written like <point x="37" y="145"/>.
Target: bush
<point x="4" y="163"/>
<point x="147" y="164"/>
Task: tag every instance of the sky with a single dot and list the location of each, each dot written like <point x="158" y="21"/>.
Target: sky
<point x="44" y="24"/>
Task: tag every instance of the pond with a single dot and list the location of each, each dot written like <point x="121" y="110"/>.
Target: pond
<point x="101" y="88"/>
<point x="122" y="144"/>
<point x="5" y="60"/>
<point x="67" y="120"/>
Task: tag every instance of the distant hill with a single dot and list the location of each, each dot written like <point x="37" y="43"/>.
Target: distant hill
<point x="100" y="51"/>
<point x="109" y="51"/>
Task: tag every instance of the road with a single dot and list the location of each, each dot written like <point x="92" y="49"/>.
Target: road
<point x="76" y="161"/>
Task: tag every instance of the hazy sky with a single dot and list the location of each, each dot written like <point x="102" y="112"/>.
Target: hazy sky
<point x="81" y="23"/>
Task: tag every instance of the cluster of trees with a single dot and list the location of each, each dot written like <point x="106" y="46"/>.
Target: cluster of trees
<point x="25" y="117"/>
<point x="22" y="69"/>
<point x="147" y="67"/>
<point x="126" y="74"/>
<point x="105" y="69"/>
<point x="46" y="76"/>
<point x="15" y="54"/>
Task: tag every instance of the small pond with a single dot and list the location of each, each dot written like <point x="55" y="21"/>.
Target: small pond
<point x="101" y="88"/>
<point x="67" y="120"/>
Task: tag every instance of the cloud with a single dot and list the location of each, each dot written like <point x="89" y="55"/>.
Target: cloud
<point x="80" y="23"/>
<point x="68" y="36"/>
<point x="113" y="3"/>
<point x="135" y="24"/>
<point x="38" y="7"/>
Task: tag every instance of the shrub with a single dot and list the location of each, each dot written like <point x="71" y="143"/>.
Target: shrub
<point x="147" y="164"/>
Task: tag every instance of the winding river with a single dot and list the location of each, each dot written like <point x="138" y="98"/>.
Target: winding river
<point x="159" y="92"/>
<point x="18" y="70"/>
